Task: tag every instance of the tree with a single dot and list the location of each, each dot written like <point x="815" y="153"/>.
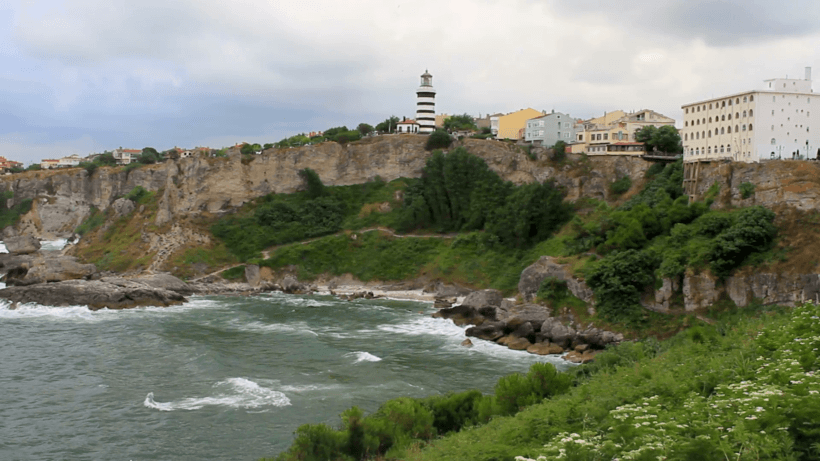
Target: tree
<point x="388" y="126"/>
<point x="149" y="155"/>
<point x="365" y="129"/>
<point x="439" y="139"/>
<point x="460" y="122"/>
<point x="313" y="183"/>
<point x="664" y="139"/>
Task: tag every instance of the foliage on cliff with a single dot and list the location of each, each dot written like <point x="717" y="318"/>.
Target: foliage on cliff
<point x="10" y="215"/>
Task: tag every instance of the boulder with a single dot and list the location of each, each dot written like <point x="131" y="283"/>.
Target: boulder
<point x="467" y="343"/>
<point x="108" y="292"/>
<point x="31" y="269"/>
<point x="523" y="330"/>
<point x="483" y="298"/>
<point x="291" y="285"/>
<point x="557" y="332"/>
<point x="489" y="331"/>
<point x="581" y="357"/>
<point x="22" y="244"/>
<point x="519" y="344"/>
<point x="167" y="282"/>
<point x="122" y="207"/>
<point x="533" y="313"/>
<point x="545" y="349"/>
<point x="252" y="275"/>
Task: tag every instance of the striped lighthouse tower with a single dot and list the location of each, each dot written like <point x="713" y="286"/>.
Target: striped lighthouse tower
<point x="426" y="104"/>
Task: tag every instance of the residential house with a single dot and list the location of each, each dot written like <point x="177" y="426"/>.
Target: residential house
<point x="407" y="126"/>
<point x="49" y="163"/>
<point x="773" y="122"/>
<point x="126" y="156"/>
<point x="547" y="130"/>
<point x="69" y="161"/>
<point x="508" y="126"/>
<point x="614" y="132"/>
<point x="7" y="164"/>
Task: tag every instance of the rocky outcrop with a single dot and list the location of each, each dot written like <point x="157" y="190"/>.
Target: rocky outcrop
<point x="22" y="244"/>
<point x="167" y="282"/>
<point x="523" y="326"/>
<point x="546" y="266"/>
<point x="122" y="207"/>
<point x="43" y="267"/>
<point x="108" y="292"/>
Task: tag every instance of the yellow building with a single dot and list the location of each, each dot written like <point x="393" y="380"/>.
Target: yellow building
<point x="614" y="132"/>
<point x="511" y="126"/>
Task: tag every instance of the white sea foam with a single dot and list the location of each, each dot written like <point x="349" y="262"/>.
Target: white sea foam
<point x="363" y="357"/>
<point x="260" y="327"/>
<point x="53" y="245"/>
<point x="233" y="393"/>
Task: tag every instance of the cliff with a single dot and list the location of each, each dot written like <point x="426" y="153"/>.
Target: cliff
<point x="63" y="199"/>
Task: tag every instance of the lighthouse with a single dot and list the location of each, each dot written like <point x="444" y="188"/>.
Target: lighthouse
<point x="426" y="104"/>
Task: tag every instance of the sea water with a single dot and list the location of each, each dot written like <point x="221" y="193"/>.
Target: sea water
<point x="220" y="377"/>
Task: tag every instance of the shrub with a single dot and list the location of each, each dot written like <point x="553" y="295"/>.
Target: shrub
<point x="552" y="290"/>
<point x="618" y="280"/>
<point x="234" y="273"/>
<point x="136" y="194"/>
<point x="438" y="139"/>
<point x="93" y="221"/>
<point x="313" y="183"/>
<point x="746" y="189"/>
<point x="621" y="185"/>
<point x="90" y="167"/>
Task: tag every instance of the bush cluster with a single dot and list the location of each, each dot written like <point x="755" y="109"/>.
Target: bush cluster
<point x="10" y="216"/>
<point x="458" y="192"/>
<point x="399" y="423"/>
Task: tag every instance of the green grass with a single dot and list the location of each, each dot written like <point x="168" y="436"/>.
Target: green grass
<point x="234" y="273"/>
<point x="93" y="221"/>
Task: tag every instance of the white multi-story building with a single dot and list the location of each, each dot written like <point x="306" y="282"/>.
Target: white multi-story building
<point x="782" y="120"/>
<point x="426" y="104"/>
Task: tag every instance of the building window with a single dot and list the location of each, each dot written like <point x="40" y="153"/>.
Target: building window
<point x="728" y="148"/>
<point x="730" y="116"/>
<point x="773" y="141"/>
<point x="710" y="106"/>
<point x="709" y="133"/>
<point x="697" y="135"/>
<point x="606" y="136"/>
<point x="704" y="120"/>
<point x="722" y="131"/>
<point x="721" y="147"/>
<point x="724" y="104"/>
<point x="744" y="114"/>
<point x="750" y="127"/>
<point x="703" y="134"/>
<point x="686" y="136"/>
<point x="736" y="129"/>
<point x="698" y="108"/>
<point x="751" y="98"/>
<point x="774" y="98"/>
<point x="744" y="99"/>
<point x="686" y="123"/>
<point x="710" y="119"/>
<point x="722" y="118"/>
<point x="744" y="127"/>
<point x="737" y="114"/>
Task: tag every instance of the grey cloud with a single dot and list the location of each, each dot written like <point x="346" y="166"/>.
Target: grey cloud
<point x="718" y="23"/>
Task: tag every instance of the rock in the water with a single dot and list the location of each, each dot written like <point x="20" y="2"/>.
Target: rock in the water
<point x="489" y="331"/>
<point x="519" y="344"/>
<point x="545" y="349"/>
<point x="22" y="244"/>
<point x="167" y="282"/>
<point x="557" y="332"/>
<point x="110" y="292"/>
<point x="467" y="343"/>
<point x="483" y="298"/>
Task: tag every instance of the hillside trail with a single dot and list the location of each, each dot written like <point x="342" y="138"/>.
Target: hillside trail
<point x="267" y="252"/>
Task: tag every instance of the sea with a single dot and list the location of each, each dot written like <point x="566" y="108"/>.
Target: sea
<point x="221" y="377"/>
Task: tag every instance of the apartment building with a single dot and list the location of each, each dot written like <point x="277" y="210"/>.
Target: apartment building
<point x="547" y="130"/>
<point x="780" y="120"/>
<point x="614" y="132"/>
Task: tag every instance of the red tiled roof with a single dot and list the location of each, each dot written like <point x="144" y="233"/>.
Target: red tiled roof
<point x="406" y="122"/>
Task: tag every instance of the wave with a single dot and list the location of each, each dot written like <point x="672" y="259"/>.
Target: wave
<point x="236" y="393"/>
<point x="363" y="357"/>
<point x="260" y="327"/>
<point x="47" y="245"/>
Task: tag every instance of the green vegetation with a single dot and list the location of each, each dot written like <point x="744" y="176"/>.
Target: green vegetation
<point x="105" y="159"/>
<point x="250" y="149"/>
<point x="438" y="139"/>
<point x="388" y="126"/>
<point x="485" y="133"/>
<point x="665" y="139"/>
<point x="10" y="216"/>
<point x="621" y="185"/>
<point x="136" y="194"/>
<point x="744" y="388"/>
<point x="402" y="423"/>
<point x="150" y="155"/>
<point x="747" y="189"/>
<point x="365" y="129"/>
<point x="459" y="122"/>
<point x="93" y="221"/>
<point x="234" y="273"/>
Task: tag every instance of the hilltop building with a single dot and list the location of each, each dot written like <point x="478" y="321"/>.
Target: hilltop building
<point x="408" y="126"/>
<point x="509" y="126"/>
<point x="547" y="130"/>
<point x="426" y="104"/>
<point x="770" y="123"/>
<point x="614" y="132"/>
<point x="126" y="156"/>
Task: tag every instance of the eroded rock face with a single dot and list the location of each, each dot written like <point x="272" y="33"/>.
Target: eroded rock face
<point x="108" y="292"/>
<point x="122" y="207"/>
<point x="22" y="244"/>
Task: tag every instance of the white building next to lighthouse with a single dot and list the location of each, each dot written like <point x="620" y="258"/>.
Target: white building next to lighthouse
<point x="426" y="104"/>
<point x="781" y="120"/>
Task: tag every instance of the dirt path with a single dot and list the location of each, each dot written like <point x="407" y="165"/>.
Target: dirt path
<point x="266" y="253"/>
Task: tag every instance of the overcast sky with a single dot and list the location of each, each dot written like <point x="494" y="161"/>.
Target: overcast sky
<point x="84" y="76"/>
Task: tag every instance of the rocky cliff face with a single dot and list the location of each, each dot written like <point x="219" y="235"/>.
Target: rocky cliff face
<point x="63" y="199"/>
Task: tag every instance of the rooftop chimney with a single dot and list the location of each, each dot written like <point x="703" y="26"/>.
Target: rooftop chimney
<point x="808" y="73"/>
